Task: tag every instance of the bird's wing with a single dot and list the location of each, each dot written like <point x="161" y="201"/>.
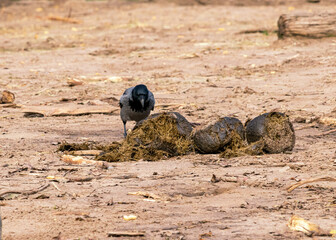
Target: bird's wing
<point x="125" y="97"/>
<point x="151" y="100"/>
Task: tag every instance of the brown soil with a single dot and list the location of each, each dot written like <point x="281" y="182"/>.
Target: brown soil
<point x="204" y="61"/>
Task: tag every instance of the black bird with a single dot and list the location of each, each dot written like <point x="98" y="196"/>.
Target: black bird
<point x="136" y="104"/>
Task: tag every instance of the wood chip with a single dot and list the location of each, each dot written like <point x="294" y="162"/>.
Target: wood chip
<point x="74" y="82"/>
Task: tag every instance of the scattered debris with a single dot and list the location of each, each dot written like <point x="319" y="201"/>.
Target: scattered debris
<point x="146" y="195"/>
<point x="274" y="129"/>
<point x="126" y="234"/>
<point x="7" y="97"/>
<point x="302" y="182"/>
<point x="296" y="223"/>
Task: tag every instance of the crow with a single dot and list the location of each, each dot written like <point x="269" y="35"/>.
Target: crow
<point x="136" y="104"/>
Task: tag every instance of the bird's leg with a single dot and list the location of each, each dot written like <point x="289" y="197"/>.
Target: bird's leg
<point x="125" y="132"/>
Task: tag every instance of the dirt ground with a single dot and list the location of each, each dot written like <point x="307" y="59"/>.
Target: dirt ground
<point x="204" y="61"/>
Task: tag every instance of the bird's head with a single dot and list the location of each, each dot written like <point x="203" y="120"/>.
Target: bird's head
<point x="140" y="95"/>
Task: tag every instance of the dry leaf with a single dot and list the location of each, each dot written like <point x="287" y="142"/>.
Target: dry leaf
<point x="76" y="160"/>
<point x="296" y="223"/>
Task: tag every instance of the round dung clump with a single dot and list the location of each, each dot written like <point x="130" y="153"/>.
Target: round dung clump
<point x="274" y="129"/>
<point x="214" y="137"/>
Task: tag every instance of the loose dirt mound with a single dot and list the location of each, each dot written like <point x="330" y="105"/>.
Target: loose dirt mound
<point x="274" y="129"/>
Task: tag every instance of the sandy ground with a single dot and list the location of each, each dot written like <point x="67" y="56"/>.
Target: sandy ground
<point x="198" y="61"/>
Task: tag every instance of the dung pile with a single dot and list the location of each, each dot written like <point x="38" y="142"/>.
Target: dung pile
<point x="161" y="135"/>
<point x="215" y="137"/>
<point x="227" y="137"/>
<point x="170" y="134"/>
<point x="238" y="148"/>
<point x="275" y="131"/>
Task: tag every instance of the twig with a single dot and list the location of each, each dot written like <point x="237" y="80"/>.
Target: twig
<point x="80" y="179"/>
<point x="54" y="184"/>
<point x="326" y="133"/>
<point x="126" y="234"/>
<point x="25" y="192"/>
<point x="292" y="187"/>
<point x="61" y="19"/>
<point x="305" y="127"/>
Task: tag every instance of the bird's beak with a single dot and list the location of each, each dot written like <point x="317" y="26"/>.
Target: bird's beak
<point x="142" y="101"/>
